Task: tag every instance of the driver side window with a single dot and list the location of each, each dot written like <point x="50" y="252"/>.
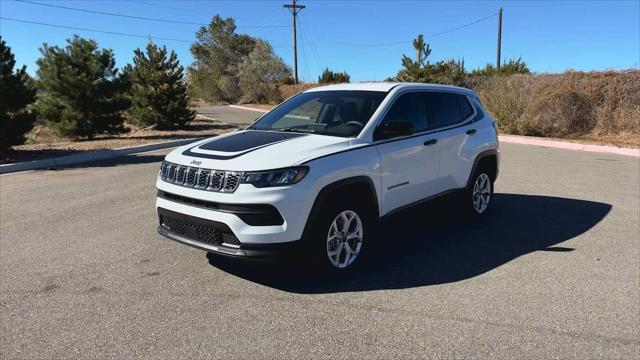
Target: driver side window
<point x="408" y="108"/>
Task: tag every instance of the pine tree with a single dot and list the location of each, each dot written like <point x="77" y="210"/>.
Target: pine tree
<point x="81" y="91"/>
<point x="16" y="94"/>
<point x="417" y="70"/>
<point x="158" y="91"/>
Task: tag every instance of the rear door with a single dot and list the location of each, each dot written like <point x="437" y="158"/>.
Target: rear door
<point x="409" y="164"/>
<point x="450" y="117"/>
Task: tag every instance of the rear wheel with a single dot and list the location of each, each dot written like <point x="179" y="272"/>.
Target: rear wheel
<point x="479" y="193"/>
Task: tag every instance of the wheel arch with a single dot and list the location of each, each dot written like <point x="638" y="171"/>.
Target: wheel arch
<point x="362" y="185"/>
<point x="488" y="157"/>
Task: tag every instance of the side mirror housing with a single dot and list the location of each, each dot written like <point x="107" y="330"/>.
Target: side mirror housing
<point x="392" y="129"/>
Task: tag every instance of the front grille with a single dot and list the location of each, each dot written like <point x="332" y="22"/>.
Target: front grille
<point x="205" y="179"/>
<point x="198" y="231"/>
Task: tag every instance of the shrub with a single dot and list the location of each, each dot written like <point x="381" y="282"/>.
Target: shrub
<point x="158" y="92"/>
<point x="81" y="92"/>
<point x="574" y="104"/>
<point x="331" y="77"/>
<point x="16" y="93"/>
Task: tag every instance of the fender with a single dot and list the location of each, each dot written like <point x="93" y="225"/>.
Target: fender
<point x="479" y="157"/>
<point x="326" y="191"/>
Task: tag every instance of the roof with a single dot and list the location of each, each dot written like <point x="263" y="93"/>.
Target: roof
<point x="387" y="86"/>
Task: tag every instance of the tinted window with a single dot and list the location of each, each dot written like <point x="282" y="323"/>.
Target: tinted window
<point x="465" y="107"/>
<point x="411" y="108"/>
<point x="443" y="108"/>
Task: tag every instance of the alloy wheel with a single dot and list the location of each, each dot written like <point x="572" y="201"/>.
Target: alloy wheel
<point x="344" y="239"/>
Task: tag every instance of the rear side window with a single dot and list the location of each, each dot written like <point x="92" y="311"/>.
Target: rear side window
<point x="444" y="109"/>
<point x="465" y="107"/>
<point x="409" y="107"/>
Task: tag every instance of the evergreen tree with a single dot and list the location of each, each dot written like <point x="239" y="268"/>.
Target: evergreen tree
<point x="418" y="70"/>
<point x="81" y="90"/>
<point x="16" y="93"/>
<point x="158" y="91"/>
<point x="331" y="77"/>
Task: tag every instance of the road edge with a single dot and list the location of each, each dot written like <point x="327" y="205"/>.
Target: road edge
<point x="566" y="145"/>
<point x="90" y="156"/>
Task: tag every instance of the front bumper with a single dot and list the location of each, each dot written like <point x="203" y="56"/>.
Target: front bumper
<point x="189" y="233"/>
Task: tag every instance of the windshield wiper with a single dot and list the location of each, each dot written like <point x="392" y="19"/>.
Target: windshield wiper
<point x="295" y="129"/>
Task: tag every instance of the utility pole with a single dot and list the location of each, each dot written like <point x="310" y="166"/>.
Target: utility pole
<point x="295" y="9"/>
<point x="499" y="38"/>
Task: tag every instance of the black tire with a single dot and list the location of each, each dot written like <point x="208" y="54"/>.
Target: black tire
<point x="468" y="198"/>
<point x="317" y="237"/>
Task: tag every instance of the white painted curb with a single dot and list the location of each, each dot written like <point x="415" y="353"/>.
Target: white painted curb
<point x="248" y="108"/>
<point x="90" y="156"/>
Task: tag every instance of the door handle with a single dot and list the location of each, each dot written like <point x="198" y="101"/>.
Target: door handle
<point x="430" y="142"/>
<point x="471" y="131"/>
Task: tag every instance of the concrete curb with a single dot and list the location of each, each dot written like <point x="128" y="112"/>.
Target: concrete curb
<point x="90" y="156"/>
<point x="527" y="140"/>
<point x="248" y="108"/>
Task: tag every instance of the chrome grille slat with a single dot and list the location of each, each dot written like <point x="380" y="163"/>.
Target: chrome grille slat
<point x="231" y="181"/>
<point x="181" y="175"/>
<point x="203" y="179"/>
<point x="198" y="178"/>
<point x="217" y="179"/>
<point x="191" y="177"/>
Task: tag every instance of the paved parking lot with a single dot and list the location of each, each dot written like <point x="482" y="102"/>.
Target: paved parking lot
<point x="553" y="271"/>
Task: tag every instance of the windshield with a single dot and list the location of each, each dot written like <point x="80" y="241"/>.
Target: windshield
<point x="334" y="113"/>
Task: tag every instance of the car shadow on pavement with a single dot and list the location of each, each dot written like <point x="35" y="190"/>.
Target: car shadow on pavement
<point x="431" y="244"/>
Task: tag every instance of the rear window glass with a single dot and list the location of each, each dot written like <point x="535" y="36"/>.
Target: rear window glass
<point x="443" y="109"/>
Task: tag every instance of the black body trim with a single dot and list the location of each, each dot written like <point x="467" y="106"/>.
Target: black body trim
<point x="251" y="214"/>
<point x="245" y="251"/>
<point x="484" y="154"/>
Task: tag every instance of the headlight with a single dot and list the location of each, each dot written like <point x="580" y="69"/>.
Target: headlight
<point x="279" y="177"/>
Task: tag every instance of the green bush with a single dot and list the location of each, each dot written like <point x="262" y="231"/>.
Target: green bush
<point x="81" y="93"/>
<point x="331" y="77"/>
<point x="16" y="93"/>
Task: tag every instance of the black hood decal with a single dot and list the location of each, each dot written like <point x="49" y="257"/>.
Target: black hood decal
<point x="247" y="140"/>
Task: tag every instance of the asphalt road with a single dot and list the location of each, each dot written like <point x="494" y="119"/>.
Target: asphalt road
<point x="552" y="271"/>
<point x="229" y="115"/>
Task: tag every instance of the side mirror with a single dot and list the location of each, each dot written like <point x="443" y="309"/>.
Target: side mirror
<point x="392" y="129"/>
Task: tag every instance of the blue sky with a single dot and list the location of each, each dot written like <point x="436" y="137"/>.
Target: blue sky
<point x="551" y="36"/>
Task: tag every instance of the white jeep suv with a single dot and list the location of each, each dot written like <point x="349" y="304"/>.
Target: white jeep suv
<point x="317" y="172"/>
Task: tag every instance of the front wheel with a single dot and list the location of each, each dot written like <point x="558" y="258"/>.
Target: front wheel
<point x="341" y="234"/>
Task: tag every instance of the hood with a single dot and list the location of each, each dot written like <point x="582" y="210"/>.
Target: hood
<point x="253" y="150"/>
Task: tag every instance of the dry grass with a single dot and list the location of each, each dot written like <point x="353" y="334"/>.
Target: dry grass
<point x="596" y="106"/>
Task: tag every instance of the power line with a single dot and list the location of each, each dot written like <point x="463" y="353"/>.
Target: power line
<point x="98" y="31"/>
<point x="137" y="17"/>
<point x="408" y="41"/>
